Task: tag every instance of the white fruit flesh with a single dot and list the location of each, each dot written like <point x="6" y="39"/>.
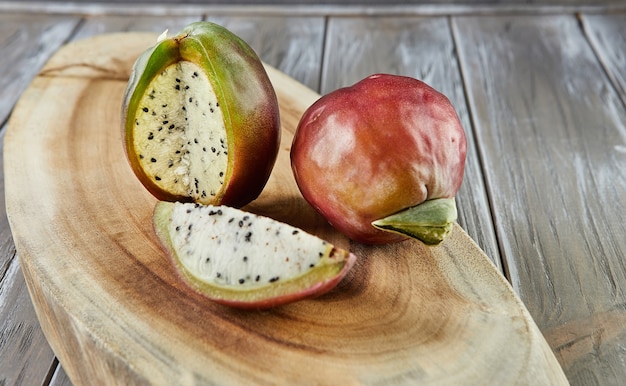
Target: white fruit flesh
<point x="236" y="250"/>
<point x="180" y="135"/>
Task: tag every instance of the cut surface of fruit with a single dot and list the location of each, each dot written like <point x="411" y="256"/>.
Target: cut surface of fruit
<point x="200" y="118"/>
<point x="245" y="260"/>
<point x="183" y="143"/>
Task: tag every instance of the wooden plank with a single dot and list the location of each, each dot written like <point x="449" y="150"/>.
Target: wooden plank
<point x="316" y="8"/>
<point x="26" y="356"/>
<point x="26" y="42"/>
<point x="607" y="34"/>
<point x="552" y="135"/>
<point x="291" y="44"/>
<point x="421" y="48"/>
<point x="101" y="24"/>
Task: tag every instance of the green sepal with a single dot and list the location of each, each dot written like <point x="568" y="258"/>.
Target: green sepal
<point x="429" y="222"/>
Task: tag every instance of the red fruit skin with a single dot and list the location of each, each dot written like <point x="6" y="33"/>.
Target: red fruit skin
<point x="370" y="150"/>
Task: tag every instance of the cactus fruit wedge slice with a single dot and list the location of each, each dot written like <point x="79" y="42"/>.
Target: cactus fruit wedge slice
<point x="244" y="260"/>
<point x="201" y="119"/>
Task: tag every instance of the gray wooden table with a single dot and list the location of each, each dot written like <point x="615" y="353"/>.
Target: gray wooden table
<point x="540" y="89"/>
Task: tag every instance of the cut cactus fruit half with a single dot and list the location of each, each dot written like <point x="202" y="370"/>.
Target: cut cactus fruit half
<point x="244" y="260"/>
<point x="201" y="118"/>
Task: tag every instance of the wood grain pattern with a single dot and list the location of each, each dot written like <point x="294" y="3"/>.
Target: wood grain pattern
<point x="111" y="306"/>
<point x="607" y="33"/>
<point x="421" y="48"/>
<point x="26" y="43"/>
<point x="292" y="45"/>
<point x="552" y="133"/>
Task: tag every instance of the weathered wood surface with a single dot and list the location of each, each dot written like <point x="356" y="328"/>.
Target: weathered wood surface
<point x="552" y="134"/>
<point x="587" y="327"/>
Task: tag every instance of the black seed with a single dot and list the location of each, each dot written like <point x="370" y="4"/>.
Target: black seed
<point x="218" y="274"/>
<point x="177" y="152"/>
<point x="152" y="159"/>
<point x="145" y="109"/>
<point x="231" y="220"/>
<point x="166" y="122"/>
<point x="194" y="74"/>
<point x="219" y="211"/>
<point x="170" y="163"/>
<point x="241" y="281"/>
<point x="311" y="265"/>
<point x="186" y="87"/>
<point x="190" y="99"/>
<point x="189" y="227"/>
<point x="221" y="174"/>
<point x="171" y="127"/>
<point x="211" y="109"/>
<point x="195" y="140"/>
<point x="204" y="149"/>
<point x="275" y="278"/>
<point x="140" y="156"/>
<point x="295" y="232"/>
<point x="184" y="108"/>
<point x="208" y="259"/>
<point x="217" y="104"/>
<point x="240" y="223"/>
<point x="164" y="106"/>
<point x="177" y="87"/>
<point x="157" y="178"/>
<point x="177" y="80"/>
<point x="213" y="149"/>
<point x="257" y="278"/>
<point x="151" y="136"/>
<point x="245" y="259"/>
<point x="248" y="236"/>
<point x="177" y="228"/>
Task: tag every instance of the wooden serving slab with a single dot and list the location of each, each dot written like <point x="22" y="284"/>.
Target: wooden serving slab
<point x="111" y="306"/>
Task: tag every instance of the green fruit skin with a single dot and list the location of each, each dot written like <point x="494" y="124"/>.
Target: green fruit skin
<point x="385" y="144"/>
<point x="246" y="97"/>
